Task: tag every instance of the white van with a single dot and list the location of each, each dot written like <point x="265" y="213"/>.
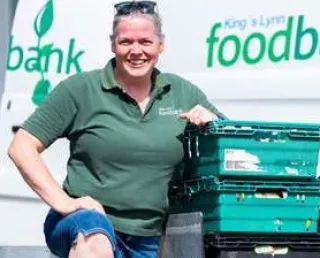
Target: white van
<point x="256" y="60"/>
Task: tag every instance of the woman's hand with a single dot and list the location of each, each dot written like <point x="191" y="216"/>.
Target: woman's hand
<point x="198" y="116"/>
<point x="74" y="204"/>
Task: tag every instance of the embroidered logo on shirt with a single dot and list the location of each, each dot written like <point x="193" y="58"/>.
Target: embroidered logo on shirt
<point x="169" y="111"/>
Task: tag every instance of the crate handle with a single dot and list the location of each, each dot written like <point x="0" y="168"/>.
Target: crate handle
<point x="304" y="134"/>
<point x="271" y="194"/>
<point x="230" y="131"/>
<point x="254" y="188"/>
<point x="271" y="136"/>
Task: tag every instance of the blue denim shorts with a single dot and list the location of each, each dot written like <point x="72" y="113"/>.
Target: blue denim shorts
<point x="61" y="233"/>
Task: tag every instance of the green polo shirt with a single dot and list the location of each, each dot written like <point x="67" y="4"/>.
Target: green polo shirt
<point x="118" y="155"/>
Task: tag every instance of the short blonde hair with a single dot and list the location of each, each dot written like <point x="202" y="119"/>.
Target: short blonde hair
<point x="154" y="18"/>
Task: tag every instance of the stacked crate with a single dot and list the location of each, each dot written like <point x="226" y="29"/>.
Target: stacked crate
<point x="255" y="182"/>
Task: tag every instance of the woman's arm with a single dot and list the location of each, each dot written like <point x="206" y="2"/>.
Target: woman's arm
<point x="24" y="151"/>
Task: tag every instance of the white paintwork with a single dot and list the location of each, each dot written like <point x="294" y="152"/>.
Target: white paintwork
<point x="284" y="91"/>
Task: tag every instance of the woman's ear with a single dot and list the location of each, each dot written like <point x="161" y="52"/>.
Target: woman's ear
<point x="112" y="43"/>
<point x="162" y="41"/>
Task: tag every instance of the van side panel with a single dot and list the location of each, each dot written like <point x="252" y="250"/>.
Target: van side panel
<point x="255" y="60"/>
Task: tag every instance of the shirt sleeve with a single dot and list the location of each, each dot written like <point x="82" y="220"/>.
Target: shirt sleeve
<point x="53" y="119"/>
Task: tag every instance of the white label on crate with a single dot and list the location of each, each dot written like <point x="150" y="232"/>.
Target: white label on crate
<point x="271" y="250"/>
<point x="237" y="159"/>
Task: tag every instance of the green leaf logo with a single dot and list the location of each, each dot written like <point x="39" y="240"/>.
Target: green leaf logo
<point x="44" y="19"/>
<point x="41" y="26"/>
<point x="46" y="49"/>
<point x="41" y="91"/>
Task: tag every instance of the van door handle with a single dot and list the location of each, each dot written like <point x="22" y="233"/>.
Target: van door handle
<point x="15" y="128"/>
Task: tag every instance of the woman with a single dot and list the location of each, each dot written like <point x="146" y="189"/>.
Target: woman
<point x="123" y="124"/>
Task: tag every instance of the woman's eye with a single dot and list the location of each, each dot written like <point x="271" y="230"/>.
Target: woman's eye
<point x="125" y="42"/>
<point x="147" y="42"/>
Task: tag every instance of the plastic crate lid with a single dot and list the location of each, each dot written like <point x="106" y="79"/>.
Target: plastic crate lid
<point x="261" y="124"/>
<point x="212" y="183"/>
<point x="238" y="127"/>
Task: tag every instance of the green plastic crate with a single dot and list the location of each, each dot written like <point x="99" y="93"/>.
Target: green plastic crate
<point x="251" y="149"/>
<point x="250" y="207"/>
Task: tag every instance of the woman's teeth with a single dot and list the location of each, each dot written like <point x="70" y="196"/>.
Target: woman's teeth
<point x="136" y="62"/>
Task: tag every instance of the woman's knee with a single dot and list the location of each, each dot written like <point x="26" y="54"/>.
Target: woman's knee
<point x="93" y="245"/>
<point x="62" y="232"/>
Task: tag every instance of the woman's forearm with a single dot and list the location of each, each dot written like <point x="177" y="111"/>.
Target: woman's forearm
<point x="25" y="153"/>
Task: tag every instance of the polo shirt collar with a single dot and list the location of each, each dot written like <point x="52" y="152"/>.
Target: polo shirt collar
<point x="159" y="80"/>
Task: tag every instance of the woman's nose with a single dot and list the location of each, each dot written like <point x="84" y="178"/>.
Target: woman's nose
<point x="136" y="48"/>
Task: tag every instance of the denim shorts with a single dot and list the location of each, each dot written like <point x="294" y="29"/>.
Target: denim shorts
<point x="61" y="233"/>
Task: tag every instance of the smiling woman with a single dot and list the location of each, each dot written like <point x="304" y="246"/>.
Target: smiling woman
<point x="137" y="42"/>
<point x="123" y="124"/>
<point x="137" y="46"/>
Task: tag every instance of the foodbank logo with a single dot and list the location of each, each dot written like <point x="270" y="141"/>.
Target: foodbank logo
<point x="44" y="56"/>
<point x="294" y="34"/>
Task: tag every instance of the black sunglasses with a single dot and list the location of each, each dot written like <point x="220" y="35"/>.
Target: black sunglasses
<point x="127" y="7"/>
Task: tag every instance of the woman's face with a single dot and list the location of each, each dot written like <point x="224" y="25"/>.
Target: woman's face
<point x="136" y="46"/>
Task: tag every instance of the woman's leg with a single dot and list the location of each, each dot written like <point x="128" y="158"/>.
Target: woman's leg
<point x="84" y="233"/>
<point x="96" y="245"/>
<point x="138" y="246"/>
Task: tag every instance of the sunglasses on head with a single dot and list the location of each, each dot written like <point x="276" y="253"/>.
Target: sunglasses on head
<point x="127" y="7"/>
